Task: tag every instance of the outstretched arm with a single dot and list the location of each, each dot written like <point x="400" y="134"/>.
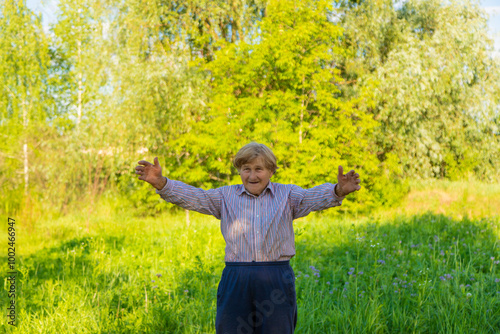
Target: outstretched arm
<point x="188" y="197"/>
<point x="323" y="196"/>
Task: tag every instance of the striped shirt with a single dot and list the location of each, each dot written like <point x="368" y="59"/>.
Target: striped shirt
<point x="255" y="228"/>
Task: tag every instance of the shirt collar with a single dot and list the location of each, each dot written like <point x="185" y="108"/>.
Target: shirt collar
<point x="270" y="186"/>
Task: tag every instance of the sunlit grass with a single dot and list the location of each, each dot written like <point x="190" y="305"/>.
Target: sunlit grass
<point x="395" y="271"/>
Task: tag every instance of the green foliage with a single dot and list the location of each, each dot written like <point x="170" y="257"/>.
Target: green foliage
<point x="435" y="84"/>
<point x="392" y="90"/>
<point x="282" y="91"/>
<point x="25" y="104"/>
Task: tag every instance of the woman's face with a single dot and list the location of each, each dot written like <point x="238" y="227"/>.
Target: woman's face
<point x="255" y="176"/>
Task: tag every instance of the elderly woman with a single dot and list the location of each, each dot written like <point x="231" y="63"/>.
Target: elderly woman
<point x="256" y="293"/>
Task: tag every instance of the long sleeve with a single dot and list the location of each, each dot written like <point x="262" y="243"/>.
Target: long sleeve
<point x="304" y="201"/>
<point x="191" y="198"/>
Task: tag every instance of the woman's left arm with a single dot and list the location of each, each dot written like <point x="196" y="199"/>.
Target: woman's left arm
<point x="304" y="201"/>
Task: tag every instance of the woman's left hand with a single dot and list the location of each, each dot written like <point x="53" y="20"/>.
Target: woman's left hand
<point x="347" y="183"/>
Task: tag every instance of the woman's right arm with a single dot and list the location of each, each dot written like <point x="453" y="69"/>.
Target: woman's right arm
<point x="176" y="192"/>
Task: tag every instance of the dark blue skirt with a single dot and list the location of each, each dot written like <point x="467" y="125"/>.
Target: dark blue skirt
<point x="256" y="297"/>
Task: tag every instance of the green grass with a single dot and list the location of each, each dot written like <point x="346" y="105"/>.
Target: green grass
<point x="413" y="272"/>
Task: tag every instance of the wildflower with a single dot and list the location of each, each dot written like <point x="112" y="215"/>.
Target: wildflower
<point x="351" y="269"/>
<point x="496" y="262"/>
<point x="381" y="261"/>
<point x="469" y="294"/>
<point x="331" y="292"/>
<point x="155" y="286"/>
<point x="492" y="258"/>
<point x="346" y="283"/>
<point x="186" y="291"/>
<point x="360" y="273"/>
<point x="158" y="275"/>
<point x="306" y="275"/>
<point x="153" y="281"/>
<point x="349" y="272"/>
<point x="497" y="280"/>
<point x="328" y="283"/>
<point x="316" y="280"/>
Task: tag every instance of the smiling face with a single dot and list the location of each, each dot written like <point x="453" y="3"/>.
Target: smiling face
<point x="255" y="176"/>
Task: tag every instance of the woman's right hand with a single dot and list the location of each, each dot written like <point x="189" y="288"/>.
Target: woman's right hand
<point x="151" y="173"/>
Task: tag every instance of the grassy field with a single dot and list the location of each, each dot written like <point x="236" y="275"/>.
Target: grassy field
<point x="431" y="265"/>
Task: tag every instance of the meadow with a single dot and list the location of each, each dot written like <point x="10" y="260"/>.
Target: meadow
<point x="430" y="265"/>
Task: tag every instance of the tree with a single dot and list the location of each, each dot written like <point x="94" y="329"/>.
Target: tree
<point x="282" y="90"/>
<point x="429" y="64"/>
<point x="24" y="103"/>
